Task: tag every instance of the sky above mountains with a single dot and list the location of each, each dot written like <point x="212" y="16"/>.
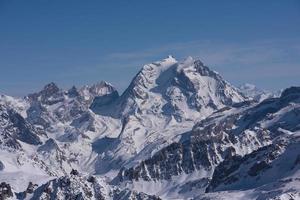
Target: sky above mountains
<point x="73" y="42"/>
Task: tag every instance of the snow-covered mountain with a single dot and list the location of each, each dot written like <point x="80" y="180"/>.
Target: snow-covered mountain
<point x="251" y="91"/>
<point x="178" y="131"/>
<point x="164" y="99"/>
<point x="217" y="146"/>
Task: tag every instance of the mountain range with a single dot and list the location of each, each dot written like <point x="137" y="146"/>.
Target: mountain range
<point x="179" y="131"/>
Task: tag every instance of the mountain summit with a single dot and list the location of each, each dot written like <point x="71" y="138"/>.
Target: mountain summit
<point x="164" y="98"/>
<point x="184" y="90"/>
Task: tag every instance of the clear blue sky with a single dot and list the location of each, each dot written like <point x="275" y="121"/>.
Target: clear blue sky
<point x="76" y="42"/>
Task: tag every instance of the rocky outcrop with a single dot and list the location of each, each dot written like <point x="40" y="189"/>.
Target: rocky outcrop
<point x="77" y="187"/>
<point x="5" y="191"/>
<point x="265" y="165"/>
<point x="14" y="128"/>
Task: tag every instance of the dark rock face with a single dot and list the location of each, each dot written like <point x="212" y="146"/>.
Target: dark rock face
<point x="238" y="172"/>
<point x="5" y="191"/>
<point x="73" y="92"/>
<point x="14" y="127"/>
<point x="291" y="91"/>
<point x="128" y="194"/>
<point x="63" y="184"/>
<point x="1" y="166"/>
<point x="74" y="172"/>
<point x="8" y="141"/>
<point x="91" y="179"/>
<point x="30" y="190"/>
<point x="201" y="149"/>
<point x="104" y="100"/>
<point x="84" y="120"/>
<point x="188" y="156"/>
<point x="104" y="144"/>
<point x="258" y="167"/>
<point x="36" y="114"/>
<point x="77" y="187"/>
<point x="50" y="95"/>
<point x="31" y="187"/>
<point x="25" y="131"/>
<point x="49" y="145"/>
<point x="103" y="89"/>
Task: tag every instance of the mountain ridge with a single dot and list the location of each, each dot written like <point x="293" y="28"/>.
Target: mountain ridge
<point x="171" y="134"/>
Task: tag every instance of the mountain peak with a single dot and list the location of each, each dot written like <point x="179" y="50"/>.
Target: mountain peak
<point x="50" y="88"/>
<point x="50" y="94"/>
<point x="73" y="92"/>
<point x="147" y="78"/>
<point x="102" y="88"/>
<point x="170" y="58"/>
<point x="184" y="88"/>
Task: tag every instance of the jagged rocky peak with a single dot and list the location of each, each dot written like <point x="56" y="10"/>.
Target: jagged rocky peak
<point x="18" y="104"/>
<point x="198" y="65"/>
<point x="74" y="186"/>
<point x="102" y="88"/>
<point x="14" y="128"/>
<point x="173" y="87"/>
<point x="98" y="89"/>
<point x="207" y="84"/>
<point x="147" y="77"/>
<point x="230" y="132"/>
<point x="52" y="94"/>
<point x="73" y="92"/>
<point x="259" y="167"/>
<point x="50" y="88"/>
<point x="49" y="95"/>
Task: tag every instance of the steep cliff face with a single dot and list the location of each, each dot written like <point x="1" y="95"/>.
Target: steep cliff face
<point x="14" y="128"/>
<point x="267" y="164"/>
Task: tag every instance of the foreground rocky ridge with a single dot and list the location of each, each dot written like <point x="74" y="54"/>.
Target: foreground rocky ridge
<point x="219" y="144"/>
<point x="179" y="131"/>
